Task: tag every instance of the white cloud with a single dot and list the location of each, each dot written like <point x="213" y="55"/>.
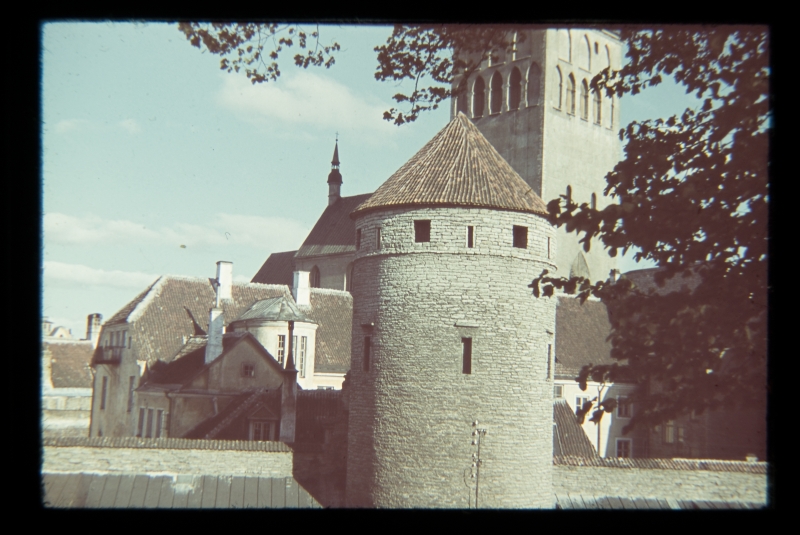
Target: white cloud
<point x="261" y="233"/>
<point x="131" y="126"/>
<point x="69" y="125"/>
<point x="304" y="98"/>
<point x="78" y="274"/>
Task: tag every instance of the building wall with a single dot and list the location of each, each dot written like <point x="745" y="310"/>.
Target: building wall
<point x="332" y="269"/>
<point x="658" y="483"/>
<point x="227" y="458"/>
<point x="411" y="414"/>
<point x="115" y="419"/>
<point x="225" y="374"/>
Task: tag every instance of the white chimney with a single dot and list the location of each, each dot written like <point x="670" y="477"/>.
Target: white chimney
<point x="301" y="290"/>
<point x="216" y="322"/>
<point x="224" y="280"/>
<point x="93" y="322"/>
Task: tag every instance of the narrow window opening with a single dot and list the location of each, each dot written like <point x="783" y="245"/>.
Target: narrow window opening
<point x="470" y="237"/>
<point x="104" y="393"/>
<point x="141" y="422"/>
<point x="149" y="429"/>
<point x="520" y="237"/>
<point x="549" y="254"/>
<point x="358" y="238"/>
<point x="598" y="107"/>
<point x="131" y="384"/>
<point x="594" y="201"/>
<point x="558" y="391"/>
<point x="496" y="94"/>
<point x="367" y="353"/>
<point x="422" y="231"/>
<point x="159" y="422"/>
<point x="302" y="355"/>
<point x="466" y="355"/>
<point x="534" y="83"/>
<point x="584" y="101"/>
<point x="569" y="194"/>
<point x="478" y="98"/>
<point x="281" y="348"/>
<point x="549" y="361"/>
<point x="560" y="87"/>
<point x="514" y="90"/>
<point x="378" y="238"/>
<point x="623" y="408"/>
<point x="316" y="278"/>
<point x="571" y="95"/>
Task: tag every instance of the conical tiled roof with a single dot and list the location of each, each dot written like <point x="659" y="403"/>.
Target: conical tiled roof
<point x="458" y="167"/>
<point x="274" y="309"/>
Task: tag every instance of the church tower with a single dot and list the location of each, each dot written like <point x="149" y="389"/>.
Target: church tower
<point x="334" y="177"/>
<point x="534" y="105"/>
<point x="447" y="338"/>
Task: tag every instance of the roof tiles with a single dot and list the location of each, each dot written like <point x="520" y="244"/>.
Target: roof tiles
<point x="277" y="269"/>
<point x="458" y="167"/>
<point x="70" y="363"/>
<point x="581" y="332"/>
<point x="334" y="231"/>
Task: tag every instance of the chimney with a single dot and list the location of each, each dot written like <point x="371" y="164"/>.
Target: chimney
<point x="289" y="393"/>
<point x="300" y="288"/>
<point x="93" y="322"/>
<point x="614" y="275"/>
<point x="334" y="177"/>
<point x="216" y="322"/>
<point x="224" y="280"/>
<point x="47" y="327"/>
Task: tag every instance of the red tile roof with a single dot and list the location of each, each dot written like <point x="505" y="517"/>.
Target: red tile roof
<point x="332" y="310"/>
<point x="581" y="332"/>
<point x="663" y="464"/>
<point x="334" y="231"/>
<point x="69" y="363"/>
<point x="458" y="167"/>
<point x="165" y="443"/>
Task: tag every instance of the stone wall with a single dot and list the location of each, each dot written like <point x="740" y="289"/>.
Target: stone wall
<point x="730" y="481"/>
<point x="172" y="456"/>
<point x="411" y="413"/>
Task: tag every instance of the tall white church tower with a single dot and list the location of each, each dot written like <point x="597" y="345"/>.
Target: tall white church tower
<point x="534" y="105"/>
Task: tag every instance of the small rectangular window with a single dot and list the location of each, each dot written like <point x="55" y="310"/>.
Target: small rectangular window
<point x="624" y="447"/>
<point x="669" y="432"/>
<point x="131" y="384"/>
<point x="281" y="347"/>
<point x="580" y="402"/>
<point x="129" y="342"/>
<point x="248" y="369"/>
<point x="159" y="422"/>
<point x="358" y="238"/>
<point x="302" y="355"/>
<point x="549" y="254"/>
<point x="623" y="408"/>
<point x="558" y="391"/>
<point x="422" y="230"/>
<point x="149" y="429"/>
<point x="466" y="355"/>
<point x="520" y="237"/>
<point x="549" y="361"/>
<point x="104" y="393"/>
<point x="367" y="351"/>
<point x="470" y="237"/>
<point x="378" y="238"/>
<point x="141" y="422"/>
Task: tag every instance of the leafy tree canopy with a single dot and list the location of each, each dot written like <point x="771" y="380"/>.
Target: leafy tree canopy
<point x="691" y="195"/>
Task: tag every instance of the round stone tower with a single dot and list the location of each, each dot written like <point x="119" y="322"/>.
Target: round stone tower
<point x="447" y="333"/>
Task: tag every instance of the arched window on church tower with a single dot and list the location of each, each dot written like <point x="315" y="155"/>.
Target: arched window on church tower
<point x="611" y="115"/>
<point x="514" y="89"/>
<point x="598" y="106"/>
<point x="569" y="194"/>
<point x="496" y="93"/>
<point x="586" y="60"/>
<point x="461" y="103"/>
<point x="478" y="97"/>
<point x="534" y="85"/>
<point x="594" y="201"/>
<point x="584" y="100"/>
<point x="560" y="86"/>
<point x="348" y="277"/>
<point x="314" y="277"/>
<point x="571" y="94"/>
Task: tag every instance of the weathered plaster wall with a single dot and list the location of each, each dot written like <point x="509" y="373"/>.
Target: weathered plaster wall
<point x="332" y="269"/>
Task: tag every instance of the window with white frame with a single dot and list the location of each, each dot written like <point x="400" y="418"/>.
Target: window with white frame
<point x="104" y="393"/>
<point x="131" y="385"/>
<point x="140" y="427"/>
<point x="301" y="355"/>
<point x="262" y="430"/>
<point x="558" y="391"/>
<point x="281" y="348"/>
<point x="159" y="422"/>
<point x="580" y="401"/>
<point x="623" y="408"/>
<point x="669" y="432"/>
<point x="624" y="448"/>
<point x="149" y="426"/>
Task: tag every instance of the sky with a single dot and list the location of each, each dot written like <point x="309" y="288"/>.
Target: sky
<point x="156" y="162"/>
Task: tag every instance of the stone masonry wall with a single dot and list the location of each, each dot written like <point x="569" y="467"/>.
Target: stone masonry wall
<point x="224" y="459"/>
<point x="411" y="414"/>
<point x="675" y="484"/>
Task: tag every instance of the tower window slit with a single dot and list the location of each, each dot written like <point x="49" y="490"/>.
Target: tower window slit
<point x="470" y="237"/>
<point x="466" y="355"/>
<point x="367" y="353"/>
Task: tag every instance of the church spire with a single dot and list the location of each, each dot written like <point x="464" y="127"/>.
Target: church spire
<point x="334" y="177"/>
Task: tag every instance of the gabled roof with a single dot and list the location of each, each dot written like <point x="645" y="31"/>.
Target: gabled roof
<point x="581" y="333"/>
<point x="161" y="316"/>
<point x="644" y="280"/>
<point x="332" y="310"/>
<point x="274" y="309"/>
<point x="70" y="362"/>
<point x="277" y="269"/>
<point x="569" y="438"/>
<point x="334" y="231"/>
<point x="458" y="167"/>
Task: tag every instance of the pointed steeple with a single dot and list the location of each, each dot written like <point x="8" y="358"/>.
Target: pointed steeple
<point x="334" y="177"/>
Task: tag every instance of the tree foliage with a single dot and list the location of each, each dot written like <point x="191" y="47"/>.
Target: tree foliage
<point x="692" y="196"/>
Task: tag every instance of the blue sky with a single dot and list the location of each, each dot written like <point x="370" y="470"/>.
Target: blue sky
<point x="157" y="162"/>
